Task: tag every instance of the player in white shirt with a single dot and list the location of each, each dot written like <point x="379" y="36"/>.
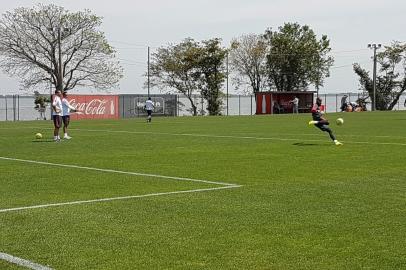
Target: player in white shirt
<point x="57" y="114"/>
<point x="66" y="109"/>
<point x="149" y="106"/>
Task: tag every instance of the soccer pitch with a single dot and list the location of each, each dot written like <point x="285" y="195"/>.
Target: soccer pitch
<point x="261" y="192"/>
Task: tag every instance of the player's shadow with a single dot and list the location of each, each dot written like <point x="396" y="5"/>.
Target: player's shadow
<point x="43" y="141"/>
<point x="302" y="144"/>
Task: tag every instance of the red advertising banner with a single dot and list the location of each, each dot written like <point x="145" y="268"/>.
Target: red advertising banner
<point x="94" y="107"/>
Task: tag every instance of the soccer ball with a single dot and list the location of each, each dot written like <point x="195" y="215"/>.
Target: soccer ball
<point x="38" y="136"/>
<point x="340" y="121"/>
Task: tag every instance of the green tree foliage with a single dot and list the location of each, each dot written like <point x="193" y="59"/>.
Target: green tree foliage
<point x="213" y="73"/>
<point x="391" y="79"/>
<point x="48" y="44"/>
<point x="296" y="58"/>
<point x="177" y="67"/>
<point x="190" y="68"/>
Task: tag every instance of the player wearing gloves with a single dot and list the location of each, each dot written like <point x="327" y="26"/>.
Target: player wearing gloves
<point x="320" y="122"/>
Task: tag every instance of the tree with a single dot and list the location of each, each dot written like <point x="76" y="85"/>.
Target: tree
<point x="391" y="82"/>
<point x="176" y="67"/>
<point x="248" y="61"/>
<point x="213" y="73"/>
<point x="48" y="44"/>
<point x="296" y="59"/>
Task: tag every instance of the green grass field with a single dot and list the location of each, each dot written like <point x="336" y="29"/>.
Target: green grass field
<point x="288" y="197"/>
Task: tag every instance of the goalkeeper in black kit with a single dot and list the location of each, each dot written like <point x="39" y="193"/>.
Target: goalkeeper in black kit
<point x="320" y="122"/>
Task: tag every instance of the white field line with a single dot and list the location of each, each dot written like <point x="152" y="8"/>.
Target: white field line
<point x="209" y="135"/>
<point x="233" y="137"/>
<point x="119" y="172"/>
<point x="116" y="198"/>
<point x="21" y="262"/>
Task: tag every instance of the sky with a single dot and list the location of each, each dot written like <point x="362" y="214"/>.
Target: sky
<point x="133" y="25"/>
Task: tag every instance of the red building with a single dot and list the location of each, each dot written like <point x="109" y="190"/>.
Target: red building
<point x="280" y="102"/>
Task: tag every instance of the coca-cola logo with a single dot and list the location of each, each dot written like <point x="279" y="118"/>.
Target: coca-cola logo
<point x="93" y="107"/>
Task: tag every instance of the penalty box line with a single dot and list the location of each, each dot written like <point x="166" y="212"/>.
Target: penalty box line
<point x="222" y="184"/>
<point x="119" y="172"/>
<point x="232" y="137"/>
<point x="22" y="262"/>
<point x="115" y="199"/>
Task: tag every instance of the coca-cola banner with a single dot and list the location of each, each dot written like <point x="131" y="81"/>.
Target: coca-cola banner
<point x="94" y="107"/>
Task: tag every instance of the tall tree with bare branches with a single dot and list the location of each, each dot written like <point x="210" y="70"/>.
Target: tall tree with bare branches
<point x="248" y="62"/>
<point x="48" y="44"/>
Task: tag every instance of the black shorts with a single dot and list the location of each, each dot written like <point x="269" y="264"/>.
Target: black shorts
<point x="66" y="120"/>
<point x="57" y="120"/>
<point x="149" y="112"/>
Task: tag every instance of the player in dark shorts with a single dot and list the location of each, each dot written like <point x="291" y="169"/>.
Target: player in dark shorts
<point x="149" y="106"/>
<point x="66" y="110"/>
<point x="320" y="122"/>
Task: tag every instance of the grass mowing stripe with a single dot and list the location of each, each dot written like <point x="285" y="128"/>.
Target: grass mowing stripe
<point x="116" y="198"/>
<point x="22" y="262"/>
<point x="119" y="172"/>
<point x="232" y="137"/>
<point x="221" y="136"/>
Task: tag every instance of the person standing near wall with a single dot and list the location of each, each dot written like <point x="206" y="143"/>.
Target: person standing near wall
<point x="66" y="109"/>
<point x="295" y="103"/>
<point x="343" y="106"/>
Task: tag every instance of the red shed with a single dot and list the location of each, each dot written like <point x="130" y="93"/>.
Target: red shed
<point x="280" y="102"/>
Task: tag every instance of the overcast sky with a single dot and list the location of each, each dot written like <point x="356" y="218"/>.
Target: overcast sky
<point x="132" y="25"/>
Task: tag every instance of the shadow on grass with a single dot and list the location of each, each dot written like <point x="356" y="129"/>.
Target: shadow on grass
<point x="309" y="144"/>
<point x="43" y="141"/>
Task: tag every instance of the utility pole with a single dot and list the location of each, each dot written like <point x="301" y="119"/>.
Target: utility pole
<point x="148" y="75"/>
<point x="60" y="76"/>
<point x="50" y="91"/>
<point x="374" y="47"/>
<point x="227" y="82"/>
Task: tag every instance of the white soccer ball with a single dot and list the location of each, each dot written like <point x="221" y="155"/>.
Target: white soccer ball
<point x="340" y="121"/>
<point x="38" y="136"/>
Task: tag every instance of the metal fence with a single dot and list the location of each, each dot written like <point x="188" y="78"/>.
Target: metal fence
<point x="21" y="108"/>
<point x="131" y="106"/>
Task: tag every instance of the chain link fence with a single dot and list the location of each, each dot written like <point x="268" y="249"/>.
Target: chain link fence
<point x="21" y="108"/>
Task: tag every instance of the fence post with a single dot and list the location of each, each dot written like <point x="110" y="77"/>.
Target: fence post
<point x="336" y="102"/>
<point x="325" y="102"/>
<point x="251" y="104"/>
<point x="239" y="104"/>
<point x="14" y="107"/>
<point x="202" y="101"/>
<point x="123" y="99"/>
<point x="5" y="98"/>
<point x="177" y="105"/>
<point x="227" y="100"/>
<point x="18" y="106"/>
